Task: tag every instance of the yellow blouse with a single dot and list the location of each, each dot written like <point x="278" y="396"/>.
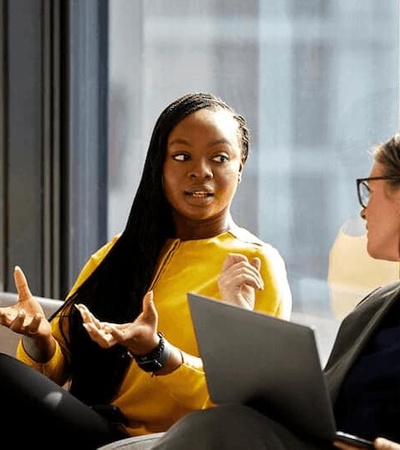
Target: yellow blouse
<point x="153" y="403"/>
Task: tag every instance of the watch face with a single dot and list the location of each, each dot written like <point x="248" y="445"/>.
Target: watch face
<point x="156" y="359"/>
<point x="151" y="365"/>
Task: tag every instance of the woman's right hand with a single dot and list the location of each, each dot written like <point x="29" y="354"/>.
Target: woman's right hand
<point x="26" y="316"/>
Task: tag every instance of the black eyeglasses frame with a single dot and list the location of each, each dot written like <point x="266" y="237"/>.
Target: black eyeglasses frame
<point x="360" y="181"/>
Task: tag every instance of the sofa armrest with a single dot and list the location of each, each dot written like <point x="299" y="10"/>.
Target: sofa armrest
<point x="133" y="443"/>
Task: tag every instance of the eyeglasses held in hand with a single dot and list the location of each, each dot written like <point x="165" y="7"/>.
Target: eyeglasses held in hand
<point x="363" y="190"/>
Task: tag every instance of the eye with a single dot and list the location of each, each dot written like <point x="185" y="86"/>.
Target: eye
<point x="221" y="158"/>
<point x="180" y="157"/>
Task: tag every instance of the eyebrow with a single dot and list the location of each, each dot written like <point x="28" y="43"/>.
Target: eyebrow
<point x="178" y="141"/>
<point x="184" y="142"/>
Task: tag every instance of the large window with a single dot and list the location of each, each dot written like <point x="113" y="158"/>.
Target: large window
<point x="317" y="81"/>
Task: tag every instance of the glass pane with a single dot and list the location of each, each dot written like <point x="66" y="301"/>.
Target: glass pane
<point x="317" y="82"/>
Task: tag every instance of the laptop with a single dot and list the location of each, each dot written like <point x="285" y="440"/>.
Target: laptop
<point x="270" y="364"/>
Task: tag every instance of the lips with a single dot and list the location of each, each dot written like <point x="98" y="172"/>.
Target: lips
<point x="199" y="191"/>
<point x="199" y="194"/>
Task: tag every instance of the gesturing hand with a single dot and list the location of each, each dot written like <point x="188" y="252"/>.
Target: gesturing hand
<point x="239" y="279"/>
<point x="26" y="316"/>
<point x="139" y="337"/>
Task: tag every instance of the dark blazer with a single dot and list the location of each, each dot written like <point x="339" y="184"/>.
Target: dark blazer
<point x="355" y="331"/>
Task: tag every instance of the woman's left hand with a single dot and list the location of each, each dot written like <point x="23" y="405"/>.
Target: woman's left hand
<point x="239" y="279"/>
<point x="139" y="337"/>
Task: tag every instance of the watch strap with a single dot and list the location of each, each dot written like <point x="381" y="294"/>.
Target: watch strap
<point x="156" y="359"/>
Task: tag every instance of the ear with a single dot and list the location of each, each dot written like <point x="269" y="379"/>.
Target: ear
<point x="240" y="173"/>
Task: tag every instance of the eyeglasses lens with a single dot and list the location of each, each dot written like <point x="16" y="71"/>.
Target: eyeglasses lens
<point x="364" y="193"/>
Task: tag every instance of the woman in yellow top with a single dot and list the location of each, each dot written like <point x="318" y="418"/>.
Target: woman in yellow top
<point x="124" y="336"/>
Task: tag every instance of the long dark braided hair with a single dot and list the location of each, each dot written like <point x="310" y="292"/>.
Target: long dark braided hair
<point x="114" y="291"/>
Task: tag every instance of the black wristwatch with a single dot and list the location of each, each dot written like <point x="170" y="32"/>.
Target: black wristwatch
<point x="156" y="359"/>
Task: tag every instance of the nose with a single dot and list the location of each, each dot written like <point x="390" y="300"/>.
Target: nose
<point x="200" y="169"/>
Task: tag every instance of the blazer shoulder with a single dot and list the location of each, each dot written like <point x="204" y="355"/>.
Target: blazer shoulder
<point x="390" y="289"/>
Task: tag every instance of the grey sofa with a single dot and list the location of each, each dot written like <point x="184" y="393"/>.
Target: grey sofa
<point x="133" y="443"/>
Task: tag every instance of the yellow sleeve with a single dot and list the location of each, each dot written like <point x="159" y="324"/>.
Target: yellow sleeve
<point x="276" y="297"/>
<point x="186" y="385"/>
<point x="54" y="368"/>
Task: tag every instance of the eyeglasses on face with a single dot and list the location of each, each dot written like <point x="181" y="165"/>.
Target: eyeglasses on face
<point x="363" y="190"/>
